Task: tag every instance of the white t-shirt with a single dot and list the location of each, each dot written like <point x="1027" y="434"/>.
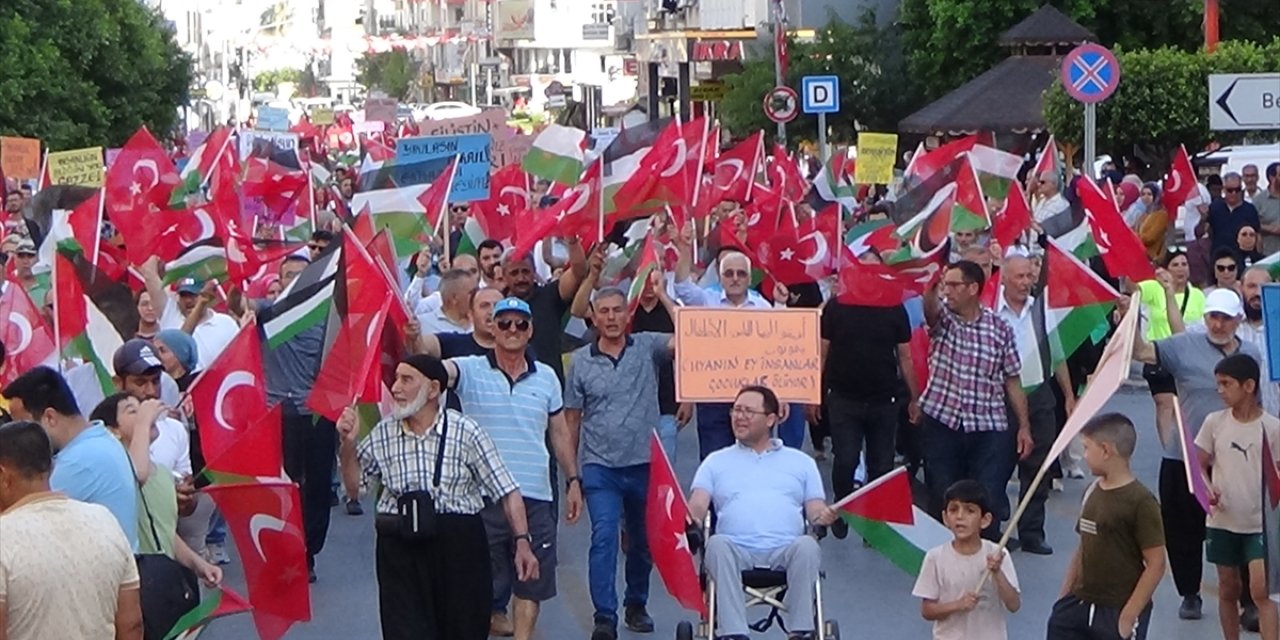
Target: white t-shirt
<point x="172" y="447"/>
<point x="212" y="335"/>
<point x="1237" y="468"/>
<point x="62" y="565"/>
<point x="946" y="575"/>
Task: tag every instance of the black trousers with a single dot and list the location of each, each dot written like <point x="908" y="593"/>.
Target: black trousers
<point x="853" y="424"/>
<point x="437" y="590"/>
<point x="1183" y="527"/>
<point x="310" y="450"/>
<point x="1044" y="430"/>
<point x="1075" y="619"/>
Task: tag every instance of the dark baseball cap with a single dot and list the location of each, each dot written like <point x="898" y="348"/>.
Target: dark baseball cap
<point x="190" y="286"/>
<point x="135" y="358"/>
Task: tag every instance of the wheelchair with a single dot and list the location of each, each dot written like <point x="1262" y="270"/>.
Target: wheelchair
<point x="761" y="586"/>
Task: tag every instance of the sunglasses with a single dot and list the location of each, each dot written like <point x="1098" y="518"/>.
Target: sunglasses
<point x="1232" y="189"/>
<point x="520" y="325"/>
<point x="458" y="209"/>
<point x="315" y="247"/>
<point x="1223" y="268"/>
<point x="735" y="273"/>
<point x="1178" y="250"/>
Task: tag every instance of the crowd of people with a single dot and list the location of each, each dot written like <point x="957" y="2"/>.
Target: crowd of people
<point x="494" y="434"/>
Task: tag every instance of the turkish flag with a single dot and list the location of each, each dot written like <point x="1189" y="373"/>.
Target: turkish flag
<point x="508" y="195"/>
<point x="265" y="519"/>
<point x="1013" y="219"/>
<point x="276" y="185"/>
<point x="258" y="452"/>
<point x="669" y="172"/>
<point x="28" y="342"/>
<point x="799" y="253"/>
<point x="881" y="285"/>
<point x="735" y="170"/>
<point x="1122" y="251"/>
<point x="785" y="175"/>
<point x="885" y="499"/>
<point x="1179" y="183"/>
<point x="435" y="199"/>
<point x="666" y="513"/>
<point x="138" y="184"/>
<point x="230" y="395"/>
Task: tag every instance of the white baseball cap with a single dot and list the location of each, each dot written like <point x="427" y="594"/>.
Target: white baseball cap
<point x="1224" y="301"/>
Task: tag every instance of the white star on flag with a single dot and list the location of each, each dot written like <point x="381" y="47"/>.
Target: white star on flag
<point x="135" y="188"/>
<point x="787" y="254"/>
<point x="503" y="209"/>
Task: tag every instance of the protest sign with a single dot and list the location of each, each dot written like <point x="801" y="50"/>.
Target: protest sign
<point x="79" y="167"/>
<point x="380" y="110"/>
<point x="273" y="119"/>
<point x="1271" y="321"/>
<point x="321" y="116"/>
<point x="876" y="154"/>
<point x="721" y="350"/>
<point x="19" y="157"/>
<point x="487" y="121"/>
<point x="264" y="144"/>
<point x="430" y="154"/>
<point x="375" y="126"/>
<point x="515" y="20"/>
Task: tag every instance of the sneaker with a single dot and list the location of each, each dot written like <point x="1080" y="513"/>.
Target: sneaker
<point x="637" y="619"/>
<point x="311" y="576"/>
<point x="1056" y="485"/>
<point x="333" y="499"/>
<point x="1075" y="473"/>
<point x="1249" y="618"/>
<point x="354" y="508"/>
<point x="1037" y="547"/>
<point x="500" y="625"/>
<point x="605" y="629"/>
<point x="1190" y="609"/>
<point x="217" y="554"/>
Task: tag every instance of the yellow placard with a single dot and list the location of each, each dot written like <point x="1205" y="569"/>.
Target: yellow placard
<point x="876" y="154"/>
<point x="719" y="351"/>
<point x="20" y="157"/>
<point x="708" y="92"/>
<point x="80" y="167"/>
<point x="321" y="116"/>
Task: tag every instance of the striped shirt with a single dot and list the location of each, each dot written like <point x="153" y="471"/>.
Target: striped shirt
<point x="514" y="413"/>
<point x="968" y="365"/>
<point x="403" y="461"/>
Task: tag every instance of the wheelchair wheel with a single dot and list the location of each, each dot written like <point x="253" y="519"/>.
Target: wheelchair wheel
<point x="684" y="631"/>
<point x="833" y="630"/>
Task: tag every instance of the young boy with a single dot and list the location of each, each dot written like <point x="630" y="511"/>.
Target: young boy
<point x="1120" y="560"/>
<point x="1230" y="450"/>
<point x="951" y="573"/>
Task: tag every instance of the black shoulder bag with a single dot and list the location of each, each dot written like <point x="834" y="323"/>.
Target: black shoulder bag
<point x="416" y="510"/>
<point x="167" y="589"/>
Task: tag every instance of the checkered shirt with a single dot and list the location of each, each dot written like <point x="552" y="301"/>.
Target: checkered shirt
<point x="968" y="365"/>
<point x="403" y="461"/>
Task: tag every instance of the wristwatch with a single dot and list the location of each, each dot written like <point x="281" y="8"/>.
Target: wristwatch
<point x="523" y="536"/>
<point x="572" y="479"/>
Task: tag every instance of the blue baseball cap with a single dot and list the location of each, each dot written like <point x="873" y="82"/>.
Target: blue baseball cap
<point x="512" y="304"/>
<point x="190" y="286"/>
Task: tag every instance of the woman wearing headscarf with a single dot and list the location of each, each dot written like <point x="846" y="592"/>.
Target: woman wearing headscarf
<point x="1152" y="226"/>
<point x="178" y="353"/>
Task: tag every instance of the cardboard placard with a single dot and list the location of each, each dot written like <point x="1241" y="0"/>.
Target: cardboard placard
<point x="380" y="110"/>
<point x="876" y="154"/>
<point x="20" y="157"/>
<point x="273" y="119"/>
<point x="79" y="167"/>
<point x="721" y="350"/>
<point x="470" y="182"/>
<point x="321" y="116"/>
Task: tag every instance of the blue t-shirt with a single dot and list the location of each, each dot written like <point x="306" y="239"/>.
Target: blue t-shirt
<point x="759" y="497"/>
<point x="95" y="468"/>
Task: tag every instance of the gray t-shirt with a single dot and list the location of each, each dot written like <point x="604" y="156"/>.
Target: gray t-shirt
<point x="1268" y="207"/>
<point x="1190" y="359"/>
<point x="618" y="399"/>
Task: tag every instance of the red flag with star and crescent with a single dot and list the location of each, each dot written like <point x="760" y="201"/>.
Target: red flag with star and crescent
<point x="229" y="397"/>
<point x="265" y="520"/>
<point x="26" y="337"/>
<point x="1122" y="251"/>
<point x="665" y="515"/>
<point x="1179" y="184"/>
<point x="508" y="195"/>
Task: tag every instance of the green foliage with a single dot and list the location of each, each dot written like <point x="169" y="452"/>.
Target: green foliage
<point x="949" y="42"/>
<point x="88" y="72"/>
<point x="875" y="91"/>
<point x="269" y="80"/>
<point x="1162" y="100"/>
<point x="393" y="72"/>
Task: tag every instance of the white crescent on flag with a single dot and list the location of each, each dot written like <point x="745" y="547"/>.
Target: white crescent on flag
<point x="820" y="250"/>
<point x="235" y="379"/>
<point x="678" y="159"/>
<point x="25" y="332"/>
<point x="260" y="522"/>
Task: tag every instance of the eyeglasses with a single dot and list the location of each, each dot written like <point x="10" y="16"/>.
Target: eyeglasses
<point x="458" y="209"/>
<point x="315" y="247"/>
<point x="746" y="412"/>
<point x="1223" y="268"/>
<point x="735" y="273"/>
<point x="520" y="325"/>
<point x="1232" y="189"/>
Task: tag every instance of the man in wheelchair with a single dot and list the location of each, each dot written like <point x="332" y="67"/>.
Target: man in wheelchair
<point x="763" y="494"/>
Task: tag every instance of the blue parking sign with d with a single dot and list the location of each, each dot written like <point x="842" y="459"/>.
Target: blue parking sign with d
<point x="820" y="94"/>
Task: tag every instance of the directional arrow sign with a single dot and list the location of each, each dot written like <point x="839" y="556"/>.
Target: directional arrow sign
<point x="1241" y="101"/>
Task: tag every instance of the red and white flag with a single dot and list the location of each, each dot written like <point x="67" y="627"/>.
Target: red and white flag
<point x="666" y="514"/>
<point x="28" y="342"/>
<point x="1179" y="184"/>
<point x="230" y="395"/>
<point x="1122" y="251"/>
<point x="885" y="499"/>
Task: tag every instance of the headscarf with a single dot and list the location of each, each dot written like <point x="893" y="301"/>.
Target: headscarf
<point x="183" y="347"/>
<point x="1129" y="194"/>
<point x="258" y="288"/>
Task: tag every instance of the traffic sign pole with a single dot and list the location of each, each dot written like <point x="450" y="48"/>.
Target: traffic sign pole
<point x="1090" y="74"/>
<point x="1090" y="138"/>
<point x="778" y="80"/>
<point x="821" y="96"/>
<point x="822" y="136"/>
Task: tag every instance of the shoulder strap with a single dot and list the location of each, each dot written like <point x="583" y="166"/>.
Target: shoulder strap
<point x="444" y="440"/>
<point x="1186" y="296"/>
<point x="151" y="521"/>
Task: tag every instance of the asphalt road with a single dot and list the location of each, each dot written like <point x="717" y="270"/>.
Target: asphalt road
<point x="869" y="597"/>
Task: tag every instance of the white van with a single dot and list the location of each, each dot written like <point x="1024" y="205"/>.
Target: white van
<point x="1233" y="159"/>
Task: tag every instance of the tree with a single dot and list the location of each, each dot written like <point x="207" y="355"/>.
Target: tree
<point x="269" y="80"/>
<point x="394" y="72"/>
<point x="88" y="72"/>
<point x="1161" y="101"/>
<point x="949" y="42"/>
<point x="875" y="91"/>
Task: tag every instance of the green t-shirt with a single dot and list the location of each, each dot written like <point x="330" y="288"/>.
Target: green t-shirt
<point x="1115" y="526"/>
<point x="1155" y="310"/>
<point x="161" y="496"/>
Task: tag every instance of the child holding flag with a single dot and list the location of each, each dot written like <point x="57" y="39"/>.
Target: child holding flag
<point x="1121" y="558"/>
<point x="951" y="572"/>
<point x="1230" y="450"/>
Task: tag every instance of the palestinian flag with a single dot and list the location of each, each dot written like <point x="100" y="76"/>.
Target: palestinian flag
<point x="832" y="185"/>
<point x="885" y="499"/>
<point x="903" y="544"/>
<point x="1050" y="161"/>
<point x="1077" y="301"/>
<point x="306" y="303"/>
<point x="557" y="154"/>
<point x="91" y="313"/>
<point x="196" y="172"/>
<point x="205" y="260"/>
<point x="219" y="603"/>
<point x="969" y="209"/>
<point x="649" y="262"/>
<point x="401" y="212"/>
<point x="622" y="158"/>
<point x="996" y="169"/>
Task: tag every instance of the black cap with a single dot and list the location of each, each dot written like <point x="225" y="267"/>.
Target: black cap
<point x="429" y="366"/>
<point x="135" y="358"/>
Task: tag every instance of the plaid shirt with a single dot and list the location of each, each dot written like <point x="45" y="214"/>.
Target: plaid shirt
<point x="404" y="461"/>
<point x="968" y="365"/>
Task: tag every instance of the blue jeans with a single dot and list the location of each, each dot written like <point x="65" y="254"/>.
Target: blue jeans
<point x="986" y="456"/>
<point x="217" y="529"/>
<point x="616" y="496"/>
<point x="715" y="428"/>
<point x="667" y="431"/>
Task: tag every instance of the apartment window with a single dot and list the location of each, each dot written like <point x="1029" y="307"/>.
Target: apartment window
<point x="602" y="12"/>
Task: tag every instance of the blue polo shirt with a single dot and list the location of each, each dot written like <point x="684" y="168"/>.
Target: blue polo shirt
<point x="95" y="468"/>
<point x="759" y="497"/>
<point x="514" y="413"/>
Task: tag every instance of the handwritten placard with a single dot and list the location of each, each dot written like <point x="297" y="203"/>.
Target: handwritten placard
<point x="79" y="167"/>
<point x="321" y="116"/>
<point x="380" y="110"/>
<point x="719" y="351"/>
<point x="20" y="157"/>
<point x="425" y="154"/>
<point x="876" y="154"/>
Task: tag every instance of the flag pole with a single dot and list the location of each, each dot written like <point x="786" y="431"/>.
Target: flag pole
<point x="205" y="180"/>
<point x="57" y="311"/>
<point x="866" y="488"/>
<point x="600" y="197"/>
<point x="44" y="166"/>
<point x="97" y="236"/>
<point x="441" y="227"/>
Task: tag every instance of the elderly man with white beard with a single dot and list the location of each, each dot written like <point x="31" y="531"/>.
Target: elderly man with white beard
<point x="435" y="466"/>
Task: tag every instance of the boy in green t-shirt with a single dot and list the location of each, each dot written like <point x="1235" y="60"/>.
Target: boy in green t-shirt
<point x="1230" y="450"/>
<point x="1121" y="558"/>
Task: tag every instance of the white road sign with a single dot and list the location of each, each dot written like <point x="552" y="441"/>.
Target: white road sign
<point x="1241" y="101"/>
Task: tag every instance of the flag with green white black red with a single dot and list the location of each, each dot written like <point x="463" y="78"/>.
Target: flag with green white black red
<point x="195" y="174"/>
<point x="969" y="208"/>
<point x="882" y="513"/>
<point x="219" y="603"/>
<point x="558" y="154"/>
<point x="203" y="261"/>
<point x="400" y="211"/>
<point x="91" y="313"/>
<point x="306" y="303"/>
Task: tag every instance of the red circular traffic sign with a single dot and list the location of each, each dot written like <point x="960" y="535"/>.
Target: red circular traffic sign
<point x="1090" y="73"/>
<point x="781" y="104"/>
